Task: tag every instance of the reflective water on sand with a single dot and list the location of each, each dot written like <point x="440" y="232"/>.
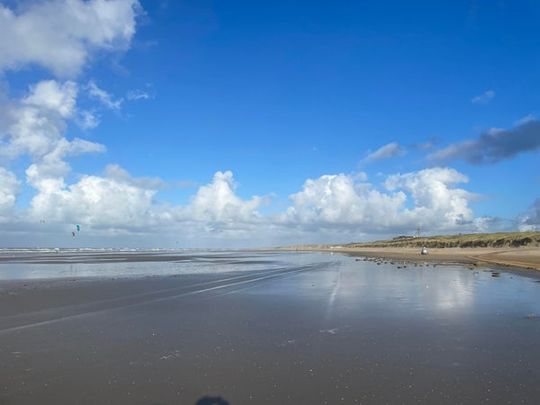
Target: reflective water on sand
<point x="283" y="328"/>
<point x="73" y="264"/>
<point x="414" y="286"/>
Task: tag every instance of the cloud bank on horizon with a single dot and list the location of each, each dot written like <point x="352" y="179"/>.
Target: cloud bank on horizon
<point x="64" y="38"/>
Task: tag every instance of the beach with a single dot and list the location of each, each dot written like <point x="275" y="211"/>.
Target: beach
<point x="275" y="328"/>
<point x="527" y="258"/>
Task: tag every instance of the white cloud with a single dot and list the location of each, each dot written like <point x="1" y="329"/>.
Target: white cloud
<point x="483" y="98"/>
<point x="35" y="126"/>
<point x="52" y="96"/>
<point x="94" y="201"/>
<point x="217" y="202"/>
<point x="60" y="35"/>
<point x="51" y="168"/>
<point x="525" y="120"/>
<point x="330" y="208"/>
<point x="385" y="152"/>
<point x="103" y="97"/>
<point x="135" y="95"/>
<point x="331" y="203"/>
<point x="9" y="187"/>
<point x="437" y="204"/>
<point x="341" y="200"/>
<point x="87" y="119"/>
<point x="426" y="198"/>
<point x="118" y="200"/>
<point x="35" y="123"/>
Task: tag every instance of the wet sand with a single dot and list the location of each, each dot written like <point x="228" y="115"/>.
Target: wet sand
<point x="520" y="258"/>
<point x="331" y="330"/>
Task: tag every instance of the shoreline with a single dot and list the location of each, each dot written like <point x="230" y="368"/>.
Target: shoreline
<point x="524" y="258"/>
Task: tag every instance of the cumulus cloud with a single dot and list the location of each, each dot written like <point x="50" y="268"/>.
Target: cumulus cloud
<point x="94" y="201"/>
<point x="52" y="96"/>
<point x="217" y="202"/>
<point x="438" y="204"/>
<point x="493" y="145"/>
<point x="35" y="123"/>
<point x="385" y="152"/>
<point x="52" y="167"/>
<point x="9" y="187"/>
<point x="483" y="98"/>
<point x="341" y="200"/>
<point x="35" y="126"/>
<point x="426" y="198"/>
<point x="60" y="35"/>
<point x="335" y="207"/>
<point x="118" y="200"/>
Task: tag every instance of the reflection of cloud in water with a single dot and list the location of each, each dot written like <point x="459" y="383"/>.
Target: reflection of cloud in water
<point x="457" y="292"/>
<point x="333" y="294"/>
<point x="414" y="288"/>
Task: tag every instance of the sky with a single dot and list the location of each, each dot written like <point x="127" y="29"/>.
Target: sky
<point x="240" y="124"/>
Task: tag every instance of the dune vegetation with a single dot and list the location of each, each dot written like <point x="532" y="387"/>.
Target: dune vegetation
<point x="499" y="239"/>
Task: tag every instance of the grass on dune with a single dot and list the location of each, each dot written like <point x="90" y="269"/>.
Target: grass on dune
<point x="500" y="239"/>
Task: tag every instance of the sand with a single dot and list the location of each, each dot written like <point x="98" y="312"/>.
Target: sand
<point x="335" y="331"/>
<point x="523" y="258"/>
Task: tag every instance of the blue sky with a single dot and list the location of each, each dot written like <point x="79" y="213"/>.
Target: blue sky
<point x="279" y="93"/>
